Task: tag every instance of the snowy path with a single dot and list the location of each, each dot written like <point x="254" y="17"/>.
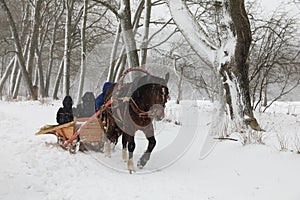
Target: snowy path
<point x="34" y="167"/>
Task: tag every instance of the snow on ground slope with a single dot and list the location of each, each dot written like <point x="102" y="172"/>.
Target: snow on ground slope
<point x="34" y="167"/>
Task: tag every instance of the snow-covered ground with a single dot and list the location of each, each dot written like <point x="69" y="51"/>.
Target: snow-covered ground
<point x="35" y="167"/>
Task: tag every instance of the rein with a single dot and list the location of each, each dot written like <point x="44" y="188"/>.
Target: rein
<point x="139" y="111"/>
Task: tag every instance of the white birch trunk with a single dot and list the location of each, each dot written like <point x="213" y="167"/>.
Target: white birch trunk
<point x="34" y="37"/>
<point x="83" y="53"/>
<point x="51" y="51"/>
<point x="7" y="73"/>
<point x="57" y="80"/>
<point x="67" y="49"/>
<point x="17" y="85"/>
<point x="127" y="33"/>
<point x="112" y="64"/>
<point x="144" y="45"/>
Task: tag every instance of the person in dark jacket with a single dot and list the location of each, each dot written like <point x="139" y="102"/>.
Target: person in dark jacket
<point x="87" y="107"/>
<point x="65" y="113"/>
<point x="100" y="98"/>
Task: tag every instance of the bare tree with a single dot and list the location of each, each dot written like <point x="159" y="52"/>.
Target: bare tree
<point x="18" y="48"/>
<point x="229" y="60"/>
<point x="275" y="57"/>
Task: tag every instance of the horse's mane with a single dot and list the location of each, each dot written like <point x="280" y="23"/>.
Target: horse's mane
<point x="138" y="84"/>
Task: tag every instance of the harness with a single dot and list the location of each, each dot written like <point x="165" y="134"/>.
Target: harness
<point x="127" y="98"/>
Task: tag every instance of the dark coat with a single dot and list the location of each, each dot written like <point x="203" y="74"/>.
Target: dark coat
<point x="65" y="113"/>
<point x="100" y="98"/>
<point x="87" y="107"/>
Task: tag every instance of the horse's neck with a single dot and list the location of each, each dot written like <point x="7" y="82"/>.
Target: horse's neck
<point x="143" y="98"/>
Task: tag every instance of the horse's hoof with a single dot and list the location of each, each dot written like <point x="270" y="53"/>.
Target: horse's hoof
<point x="139" y="165"/>
<point x="130" y="166"/>
<point x="143" y="160"/>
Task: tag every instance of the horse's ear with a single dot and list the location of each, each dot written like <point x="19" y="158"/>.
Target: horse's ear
<point x="167" y="77"/>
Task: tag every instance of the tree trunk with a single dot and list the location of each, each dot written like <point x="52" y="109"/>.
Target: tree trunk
<point x="179" y="97"/>
<point x="58" y="78"/>
<point x="120" y="67"/>
<point x="240" y="68"/>
<point x="112" y="64"/>
<point x="17" y="85"/>
<point x="83" y="53"/>
<point x="7" y="73"/>
<point x="118" y="64"/>
<point x="40" y="73"/>
<point x="51" y="51"/>
<point x="127" y="33"/>
<point x="36" y="75"/>
<point x="265" y="102"/>
<point x="13" y="77"/>
<point x="67" y="49"/>
<point x="34" y="37"/>
<point x="144" y="45"/>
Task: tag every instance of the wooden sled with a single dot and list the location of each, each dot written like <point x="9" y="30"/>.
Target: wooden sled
<point x="91" y="137"/>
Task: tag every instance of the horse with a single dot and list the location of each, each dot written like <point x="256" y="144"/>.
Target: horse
<point x="134" y="106"/>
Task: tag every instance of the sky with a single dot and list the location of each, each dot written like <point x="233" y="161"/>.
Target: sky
<point x="271" y="5"/>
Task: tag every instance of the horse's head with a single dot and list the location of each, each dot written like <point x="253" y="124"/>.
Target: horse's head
<point x="154" y="94"/>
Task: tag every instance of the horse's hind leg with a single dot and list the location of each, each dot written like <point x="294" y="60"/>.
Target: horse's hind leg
<point x="107" y="148"/>
<point x="124" y="147"/>
<point x="146" y="156"/>
<point x="131" y="147"/>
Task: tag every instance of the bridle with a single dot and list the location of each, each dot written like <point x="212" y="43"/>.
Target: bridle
<point x="162" y="94"/>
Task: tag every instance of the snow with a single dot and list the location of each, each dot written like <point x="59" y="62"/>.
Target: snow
<point x="35" y="167"/>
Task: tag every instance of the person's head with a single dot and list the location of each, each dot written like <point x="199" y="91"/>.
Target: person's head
<point x="88" y="99"/>
<point x="105" y="86"/>
<point x="68" y="102"/>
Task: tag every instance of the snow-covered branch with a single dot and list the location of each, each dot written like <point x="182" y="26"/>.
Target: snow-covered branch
<point x="192" y="31"/>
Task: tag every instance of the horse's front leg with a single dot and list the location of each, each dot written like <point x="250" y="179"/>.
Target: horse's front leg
<point x="131" y="147"/>
<point x="146" y="156"/>
<point x="124" y="147"/>
<point x="107" y="148"/>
